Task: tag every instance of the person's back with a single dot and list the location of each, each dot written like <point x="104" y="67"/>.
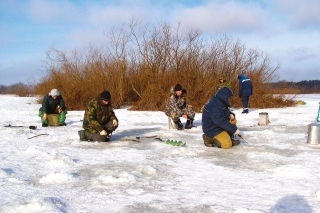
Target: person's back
<point x="218" y="123"/>
<point x="245" y="91"/>
<point x="215" y="115"/>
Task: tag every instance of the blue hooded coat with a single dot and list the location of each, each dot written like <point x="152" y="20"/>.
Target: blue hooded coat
<point x="245" y="86"/>
<point x="215" y="115"/>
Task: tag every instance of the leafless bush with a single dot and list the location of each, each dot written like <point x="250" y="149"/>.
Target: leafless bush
<point x="139" y="65"/>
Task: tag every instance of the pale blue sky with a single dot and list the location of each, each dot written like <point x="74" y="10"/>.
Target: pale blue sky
<point x="287" y="30"/>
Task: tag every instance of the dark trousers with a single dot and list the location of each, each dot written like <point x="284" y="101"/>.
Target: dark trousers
<point x="245" y="101"/>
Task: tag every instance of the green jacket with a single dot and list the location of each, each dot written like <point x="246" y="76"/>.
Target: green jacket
<point x="96" y="116"/>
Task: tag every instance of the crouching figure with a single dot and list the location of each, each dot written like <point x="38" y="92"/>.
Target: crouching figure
<point x="218" y="123"/>
<point x="177" y="107"/>
<point x="99" y="119"/>
<point x="53" y="103"/>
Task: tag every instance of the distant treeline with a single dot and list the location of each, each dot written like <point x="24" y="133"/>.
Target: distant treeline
<point x="19" y="89"/>
<point x="304" y="87"/>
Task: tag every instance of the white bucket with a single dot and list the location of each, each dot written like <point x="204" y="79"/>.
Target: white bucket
<point x="263" y="118"/>
<point x="314" y="133"/>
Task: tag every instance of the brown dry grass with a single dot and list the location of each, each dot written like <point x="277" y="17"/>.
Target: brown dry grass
<point x="140" y="64"/>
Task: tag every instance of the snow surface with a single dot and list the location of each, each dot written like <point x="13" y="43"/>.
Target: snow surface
<point x="276" y="171"/>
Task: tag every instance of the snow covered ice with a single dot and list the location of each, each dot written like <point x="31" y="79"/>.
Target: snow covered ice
<point x="276" y="171"/>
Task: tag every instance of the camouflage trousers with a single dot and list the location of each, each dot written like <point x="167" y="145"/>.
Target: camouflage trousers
<point x="175" y="114"/>
<point x="88" y="136"/>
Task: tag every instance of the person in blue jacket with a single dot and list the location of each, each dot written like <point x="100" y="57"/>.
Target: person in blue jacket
<point x="218" y="122"/>
<point x="245" y="91"/>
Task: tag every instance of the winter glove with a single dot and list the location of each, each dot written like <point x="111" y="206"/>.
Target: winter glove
<point x="234" y="121"/>
<point x="58" y="109"/>
<point x="103" y="132"/>
<point x="237" y="132"/>
<point x="115" y="122"/>
<point x="231" y="116"/>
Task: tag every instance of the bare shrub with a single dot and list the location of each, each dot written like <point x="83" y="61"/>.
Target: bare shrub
<point x="140" y="64"/>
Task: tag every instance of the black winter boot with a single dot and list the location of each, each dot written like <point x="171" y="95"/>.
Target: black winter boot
<point x="82" y="135"/>
<point x="189" y="123"/>
<point x="178" y="124"/>
<point x="245" y="111"/>
<point x="210" y="142"/>
<point x="235" y="142"/>
<point x="207" y="141"/>
<point x="108" y="136"/>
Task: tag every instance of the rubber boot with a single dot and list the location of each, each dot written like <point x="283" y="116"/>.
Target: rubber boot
<point x="178" y="124"/>
<point x="62" y="118"/>
<point x="210" y="142"/>
<point x="82" y="135"/>
<point x="245" y="111"/>
<point x="235" y="142"/>
<point x="189" y="123"/>
<point x="44" y="122"/>
<point x="207" y="141"/>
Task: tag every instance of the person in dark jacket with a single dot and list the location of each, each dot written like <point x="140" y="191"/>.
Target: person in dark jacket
<point x="245" y="91"/>
<point x="99" y="119"/>
<point x="177" y="107"/>
<point x="218" y="123"/>
<point x="53" y="103"/>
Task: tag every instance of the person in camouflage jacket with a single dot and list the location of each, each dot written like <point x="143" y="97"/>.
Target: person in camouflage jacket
<point x="99" y="119"/>
<point x="177" y="107"/>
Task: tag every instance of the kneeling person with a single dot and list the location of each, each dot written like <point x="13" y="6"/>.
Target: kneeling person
<point x="99" y="119"/>
<point x="218" y="123"/>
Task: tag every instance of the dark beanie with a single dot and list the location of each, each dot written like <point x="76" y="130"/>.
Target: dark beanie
<point x="105" y="95"/>
<point x="177" y="87"/>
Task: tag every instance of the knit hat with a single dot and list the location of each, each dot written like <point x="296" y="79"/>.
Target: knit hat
<point x="177" y="87"/>
<point x="105" y="95"/>
<point x="54" y="92"/>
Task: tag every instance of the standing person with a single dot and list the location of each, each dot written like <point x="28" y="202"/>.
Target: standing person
<point x="245" y="91"/>
<point x="177" y="107"/>
<point x="99" y="119"/>
<point x="218" y="123"/>
<point x="53" y="104"/>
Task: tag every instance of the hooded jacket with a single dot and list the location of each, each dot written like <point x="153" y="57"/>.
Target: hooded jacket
<point x="245" y="86"/>
<point x="176" y="103"/>
<point x="49" y="105"/>
<point x="97" y="115"/>
<point x="215" y="114"/>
